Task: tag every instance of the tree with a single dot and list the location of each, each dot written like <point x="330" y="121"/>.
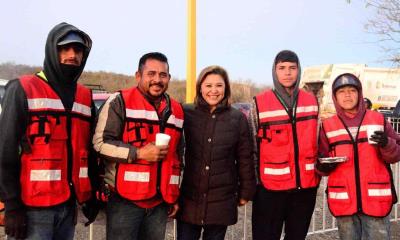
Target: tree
<point x="385" y="23"/>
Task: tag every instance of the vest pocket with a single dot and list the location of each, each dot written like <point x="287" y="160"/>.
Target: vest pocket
<point x="339" y="196"/>
<point x="379" y="189"/>
<point x="279" y="134"/>
<point x="173" y="183"/>
<point x="46" y="175"/>
<point x="339" y="199"/>
<point x="277" y="168"/>
<point x="341" y="150"/>
<point x="39" y="130"/>
<point x="308" y="165"/>
<point x="136" y="133"/>
<point x="136" y="181"/>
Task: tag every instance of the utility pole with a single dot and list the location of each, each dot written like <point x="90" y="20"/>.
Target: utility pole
<point x="191" y="52"/>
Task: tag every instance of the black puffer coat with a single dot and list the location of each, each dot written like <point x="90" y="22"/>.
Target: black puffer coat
<point x="219" y="169"/>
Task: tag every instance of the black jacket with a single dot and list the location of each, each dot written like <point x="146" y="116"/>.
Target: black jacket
<point x="14" y="119"/>
<point x="219" y="167"/>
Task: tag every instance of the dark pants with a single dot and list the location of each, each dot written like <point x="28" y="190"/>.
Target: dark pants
<point x="51" y="223"/>
<point x="187" y="231"/>
<point x="272" y="209"/>
<point x="125" y="220"/>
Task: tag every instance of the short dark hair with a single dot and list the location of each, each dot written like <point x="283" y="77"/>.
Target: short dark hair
<point x="287" y="56"/>
<point x="152" y="55"/>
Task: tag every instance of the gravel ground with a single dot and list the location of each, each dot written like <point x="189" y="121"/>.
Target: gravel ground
<point x="234" y="232"/>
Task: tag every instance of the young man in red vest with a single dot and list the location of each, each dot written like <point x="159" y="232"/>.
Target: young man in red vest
<point x="46" y="162"/>
<point x="360" y="191"/>
<point x="287" y="147"/>
<point x="143" y="177"/>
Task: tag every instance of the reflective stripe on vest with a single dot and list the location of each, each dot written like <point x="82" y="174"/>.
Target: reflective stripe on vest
<point x="277" y="171"/>
<point x="56" y="104"/>
<point x="278" y="161"/>
<point x="339" y="132"/>
<point x="141" y="179"/>
<point x="370" y="193"/>
<point x="44" y="170"/>
<point x="379" y="192"/>
<point x="279" y="113"/>
<point x="137" y="176"/>
<point x="45" y="103"/>
<point x="152" y="116"/>
<point x="338" y="195"/>
<point x="45" y="175"/>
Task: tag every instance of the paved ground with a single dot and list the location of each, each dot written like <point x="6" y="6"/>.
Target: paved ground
<point x="82" y="233"/>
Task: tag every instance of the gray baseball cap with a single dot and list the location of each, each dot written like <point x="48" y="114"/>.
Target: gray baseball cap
<point x="346" y="79"/>
<point x="71" y="37"/>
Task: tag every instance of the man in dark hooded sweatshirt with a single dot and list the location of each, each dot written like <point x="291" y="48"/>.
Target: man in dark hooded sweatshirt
<point x="287" y="150"/>
<point x="46" y="161"/>
<point x="360" y="191"/>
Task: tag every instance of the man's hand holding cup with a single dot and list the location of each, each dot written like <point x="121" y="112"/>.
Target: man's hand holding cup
<point x="154" y="152"/>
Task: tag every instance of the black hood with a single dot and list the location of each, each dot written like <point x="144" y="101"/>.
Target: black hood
<point x="63" y="86"/>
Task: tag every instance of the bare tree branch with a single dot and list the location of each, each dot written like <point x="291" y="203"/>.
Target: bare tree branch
<point x="385" y="23"/>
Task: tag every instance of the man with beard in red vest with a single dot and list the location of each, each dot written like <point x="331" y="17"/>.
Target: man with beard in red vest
<point x="143" y="177"/>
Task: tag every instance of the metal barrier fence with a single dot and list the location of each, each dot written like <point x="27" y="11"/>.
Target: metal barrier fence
<point x="322" y="220"/>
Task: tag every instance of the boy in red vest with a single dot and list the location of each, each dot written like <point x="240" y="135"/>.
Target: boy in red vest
<point x="360" y="191"/>
<point x="287" y="147"/>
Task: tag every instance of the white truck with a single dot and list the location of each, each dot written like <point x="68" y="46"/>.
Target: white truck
<point x="380" y="85"/>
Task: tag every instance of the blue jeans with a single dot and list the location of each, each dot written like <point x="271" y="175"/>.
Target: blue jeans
<point x="360" y="226"/>
<point x="125" y="220"/>
<point x="187" y="231"/>
<point x="51" y="223"/>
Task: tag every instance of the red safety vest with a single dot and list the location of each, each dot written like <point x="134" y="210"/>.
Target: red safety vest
<point x="287" y="142"/>
<point x="46" y="174"/>
<point x="363" y="183"/>
<point x="141" y="179"/>
<point x="2" y="214"/>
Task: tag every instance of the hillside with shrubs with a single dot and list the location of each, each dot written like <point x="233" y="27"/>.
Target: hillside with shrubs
<point x="242" y="91"/>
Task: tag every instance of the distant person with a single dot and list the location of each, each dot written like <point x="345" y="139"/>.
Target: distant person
<point x="143" y="178"/>
<point x="219" y="166"/>
<point x="287" y="122"/>
<point x="367" y="103"/>
<point x="46" y="159"/>
<point x="360" y="191"/>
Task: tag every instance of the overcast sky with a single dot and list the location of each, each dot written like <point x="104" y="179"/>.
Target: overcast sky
<point x="242" y="36"/>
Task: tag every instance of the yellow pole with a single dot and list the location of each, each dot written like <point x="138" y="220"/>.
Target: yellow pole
<point x="191" y="53"/>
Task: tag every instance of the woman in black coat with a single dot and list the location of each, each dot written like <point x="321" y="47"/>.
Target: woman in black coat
<point x="219" y="168"/>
